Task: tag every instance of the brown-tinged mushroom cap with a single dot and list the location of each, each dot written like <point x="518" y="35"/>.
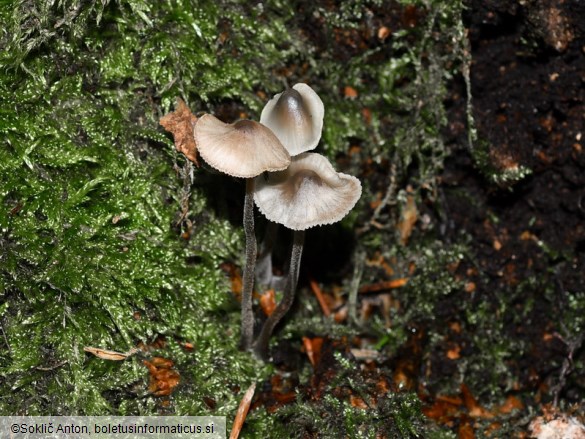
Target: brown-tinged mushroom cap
<point x="296" y="117"/>
<point x="308" y="193"/>
<point x="242" y="149"/>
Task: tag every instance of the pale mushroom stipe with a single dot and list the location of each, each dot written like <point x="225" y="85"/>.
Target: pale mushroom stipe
<point x="243" y="149"/>
<point x="308" y="193"/>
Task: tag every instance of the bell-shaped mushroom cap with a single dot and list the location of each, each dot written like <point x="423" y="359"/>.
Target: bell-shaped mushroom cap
<point x="308" y="193"/>
<point x="296" y="117"/>
<point x="242" y="149"/>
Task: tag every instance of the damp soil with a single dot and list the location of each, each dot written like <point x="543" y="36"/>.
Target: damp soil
<point x="527" y="234"/>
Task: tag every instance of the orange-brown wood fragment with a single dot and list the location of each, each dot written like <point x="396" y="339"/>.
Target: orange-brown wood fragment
<point x="511" y="403"/>
<point x="158" y="343"/>
<point x="313" y="349"/>
<point x="454" y="400"/>
<point x="474" y="409"/>
<point x="357" y="402"/>
<point x="242" y="412"/>
<point x="367" y="115"/>
<point x="403" y="375"/>
<point x="180" y="124"/>
<point x="285" y="398"/>
<point x="188" y="346"/>
<point x="320" y="298"/>
<point x="382" y="286"/>
<point x="350" y="92"/>
<point x="268" y="302"/>
<point x="235" y="278"/>
<point x="454" y="353"/>
<point x="465" y="431"/>
<point x="383" y="33"/>
<point x="443" y="409"/>
<point x="341" y="314"/>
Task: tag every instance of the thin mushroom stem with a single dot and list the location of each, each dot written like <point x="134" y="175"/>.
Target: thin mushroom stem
<point x="264" y="262"/>
<point x="261" y="346"/>
<point x="247" y="325"/>
<point x="265" y="278"/>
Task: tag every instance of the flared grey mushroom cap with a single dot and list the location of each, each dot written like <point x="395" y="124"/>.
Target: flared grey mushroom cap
<point x="296" y="117"/>
<point x="242" y="149"/>
<point x="308" y="193"/>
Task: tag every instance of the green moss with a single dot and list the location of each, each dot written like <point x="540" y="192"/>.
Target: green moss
<point x="333" y="416"/>
<point x="502" y="177"/>
<point x="89" y="253"/>
<point x="90" y="196"/>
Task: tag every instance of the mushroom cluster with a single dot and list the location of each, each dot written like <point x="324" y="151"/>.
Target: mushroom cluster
<point x="289" y="185"/>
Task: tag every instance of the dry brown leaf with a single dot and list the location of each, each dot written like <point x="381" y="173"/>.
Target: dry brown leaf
<point x="163" y="378"/>
<point x="180" y="124"/>
<point x="104" y="354"/>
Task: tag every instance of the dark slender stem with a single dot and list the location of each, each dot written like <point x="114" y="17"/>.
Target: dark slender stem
<point x="247" y="335"/>
<point x="261" y="346"/>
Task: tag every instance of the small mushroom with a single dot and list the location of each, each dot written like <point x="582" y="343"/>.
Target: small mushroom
<point x="308" y="193"/>
<point x="296" y="117"/>
<point x="243" y="149"/>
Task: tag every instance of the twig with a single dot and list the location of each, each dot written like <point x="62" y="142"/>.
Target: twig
<point x="69" y="16"/>
<point x="50" y="368"/>
<point x="5" y="338"/>
<point x="387" y="200"/>
<point x="383" y="286"/>
<point x="355" y="284"/>
<point x="242" y="412"/>
<point x="186" y="174"/>
<point x="573" y="344"/>
<point x="106" y="354"/>
<point x="320" y="298"/>
<point x="567" y="367"/>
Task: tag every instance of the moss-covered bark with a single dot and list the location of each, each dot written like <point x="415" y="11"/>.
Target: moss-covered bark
<point x="94" y="197"/>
